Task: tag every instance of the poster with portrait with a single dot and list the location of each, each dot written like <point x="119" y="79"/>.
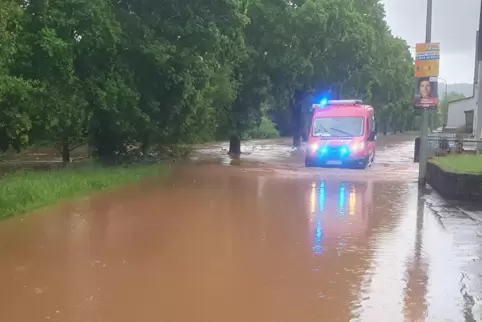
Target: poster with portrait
<point x="426" y="92"/>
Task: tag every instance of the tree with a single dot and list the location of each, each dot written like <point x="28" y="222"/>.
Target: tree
<point x="128" y="75"/>
<point x="338" y="49"/>
<point x="15" y="92"/>
<point x="183" y="57"/>
<point x="305" y="47"/>
<point x="388" y="81"/>
<point x="58" y="38"/>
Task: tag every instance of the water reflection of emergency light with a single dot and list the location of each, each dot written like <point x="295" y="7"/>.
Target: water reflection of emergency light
<point x="342" y="199"/>
<point x="329" y="220"/>
<point x="352" y="202"/>
<point x="322" y="195"/>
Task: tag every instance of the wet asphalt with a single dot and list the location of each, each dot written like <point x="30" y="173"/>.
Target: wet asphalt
<point x="259" y="238"/>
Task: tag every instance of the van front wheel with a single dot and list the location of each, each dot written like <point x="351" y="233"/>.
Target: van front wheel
<point x="364" y="163"/>
<point x="308" y="163"/>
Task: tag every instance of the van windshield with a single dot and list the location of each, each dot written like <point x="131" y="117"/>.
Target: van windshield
<point x="340" y="126"/>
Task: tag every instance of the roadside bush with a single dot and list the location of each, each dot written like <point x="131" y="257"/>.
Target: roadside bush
<point x="265" y="130"/>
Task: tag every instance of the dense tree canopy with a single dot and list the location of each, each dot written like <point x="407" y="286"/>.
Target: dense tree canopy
<point x="115" y="74"/>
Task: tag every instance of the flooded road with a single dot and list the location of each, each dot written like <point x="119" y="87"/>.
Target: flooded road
<point x="263" y="240"/>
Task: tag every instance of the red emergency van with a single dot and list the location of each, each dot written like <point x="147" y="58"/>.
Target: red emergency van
<point x="342" y="133"/>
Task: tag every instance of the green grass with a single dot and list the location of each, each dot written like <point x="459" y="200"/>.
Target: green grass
<point x="25" y="191"/>
<point x="460" y="163"/>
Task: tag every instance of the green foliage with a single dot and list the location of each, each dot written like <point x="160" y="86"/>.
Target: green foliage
<point x="123" y="73"/>
<point x="24" y="191"/>
<point x="15" y="92"/>
<point x="265" y="130"/>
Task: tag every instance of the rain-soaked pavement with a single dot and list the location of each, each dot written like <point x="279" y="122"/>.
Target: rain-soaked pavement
<point x="263" y="240"/>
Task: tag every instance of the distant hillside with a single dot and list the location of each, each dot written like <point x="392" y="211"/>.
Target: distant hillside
<point x="462" y="88"/>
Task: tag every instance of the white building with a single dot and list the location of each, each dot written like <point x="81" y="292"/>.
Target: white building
<point x="462" y="113"/>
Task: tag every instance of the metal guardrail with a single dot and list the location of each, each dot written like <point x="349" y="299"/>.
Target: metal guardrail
<point x="447" y="143"/>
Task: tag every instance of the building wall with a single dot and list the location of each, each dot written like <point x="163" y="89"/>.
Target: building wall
<point x="456" y="109"/>
<point x="456" y="115"/>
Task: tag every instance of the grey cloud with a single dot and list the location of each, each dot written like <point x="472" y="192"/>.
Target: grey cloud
<point x="455" y="22"/>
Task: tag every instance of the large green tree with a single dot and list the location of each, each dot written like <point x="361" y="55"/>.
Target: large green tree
<point x="386" y="79"/>
<point x="183" y="57"/>
<point x="127" y="74"/>
<point x="15" y="92"/>
<point x="61" y="41"/>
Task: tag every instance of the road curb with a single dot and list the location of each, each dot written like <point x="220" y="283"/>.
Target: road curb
<point x="472" y="211"/>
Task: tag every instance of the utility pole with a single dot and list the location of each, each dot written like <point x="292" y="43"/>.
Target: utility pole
<point x="422" y="165"/>
<point x="478" y="109"/>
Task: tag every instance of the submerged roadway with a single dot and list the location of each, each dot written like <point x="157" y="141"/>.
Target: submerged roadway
<point x="255" y="239"/>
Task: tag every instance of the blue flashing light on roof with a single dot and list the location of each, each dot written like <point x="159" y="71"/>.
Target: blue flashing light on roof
<point x="331" y="103"/>
<point x="345" y="102"/>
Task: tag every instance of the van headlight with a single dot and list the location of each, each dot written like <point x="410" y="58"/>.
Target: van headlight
<point x="358" y="146"/>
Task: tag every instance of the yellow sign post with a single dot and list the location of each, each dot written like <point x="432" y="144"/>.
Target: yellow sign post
<point x="427" y="60"/>
<point x="427" y="66"/>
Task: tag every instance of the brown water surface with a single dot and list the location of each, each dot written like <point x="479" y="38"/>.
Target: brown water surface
<point x="266" y="240"/>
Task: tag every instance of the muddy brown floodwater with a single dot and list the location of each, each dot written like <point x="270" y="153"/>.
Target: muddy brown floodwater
<point x="261" y="240"/>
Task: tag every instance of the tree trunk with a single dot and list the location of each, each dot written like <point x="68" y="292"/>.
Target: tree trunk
<point x="90" y="149"/>
<point x="296" y="109"/>
<point x="90" y="146"/>
<point x="65" y="153"/>
<point x="304" y="130"/>
<point x="296" y="128"/>
<point x="145" y="145"/>
<point x="235" y="145"/>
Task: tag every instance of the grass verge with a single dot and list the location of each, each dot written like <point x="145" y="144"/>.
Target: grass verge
<point x="24" y="191"/>
<point x="461" y="163"/>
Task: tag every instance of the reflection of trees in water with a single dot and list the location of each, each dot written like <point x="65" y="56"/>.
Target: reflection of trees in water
<point x="100" y="208"/>
<point x="415" y="302"/>
<point x="81" y="280"/>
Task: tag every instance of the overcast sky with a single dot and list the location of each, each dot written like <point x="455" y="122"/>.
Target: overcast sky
<point x="455" y="23"/>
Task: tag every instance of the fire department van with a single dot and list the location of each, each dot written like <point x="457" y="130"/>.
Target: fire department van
<point x="343" y="134"/>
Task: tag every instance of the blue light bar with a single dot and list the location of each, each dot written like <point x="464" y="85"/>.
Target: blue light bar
<point x="325" y="102"/>
<point x="345" y="102"/>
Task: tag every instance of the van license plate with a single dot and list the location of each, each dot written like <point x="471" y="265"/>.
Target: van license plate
<point x="334" y="162"/>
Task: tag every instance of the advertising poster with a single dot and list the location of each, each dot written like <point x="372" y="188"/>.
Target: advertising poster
<point x="427" y="66"/>
<point x="427" y="60"/>
<point x="426" y="92"/>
